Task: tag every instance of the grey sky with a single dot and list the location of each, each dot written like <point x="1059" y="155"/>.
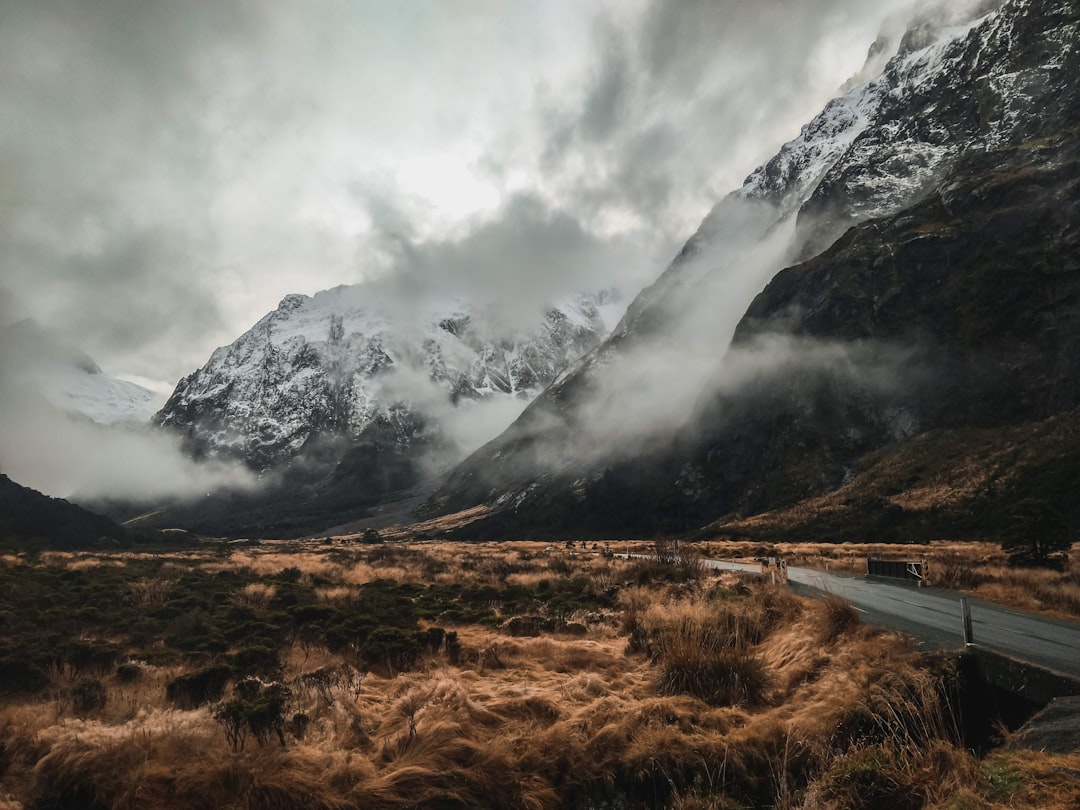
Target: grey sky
<point x="171" y="170"/>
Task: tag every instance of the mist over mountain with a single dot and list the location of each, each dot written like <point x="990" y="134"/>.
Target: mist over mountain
<point x="346" y="398"/>
<point x="68" y="427"/>
<point x="947" y="301"/>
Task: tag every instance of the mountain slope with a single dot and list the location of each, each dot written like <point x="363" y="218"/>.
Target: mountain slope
<point x="952" y="304"/>
<point x="346" y="399"/>
<point x="30" y="520"/>
<point x="345" y="362"/>
<point x="33" y="358"/>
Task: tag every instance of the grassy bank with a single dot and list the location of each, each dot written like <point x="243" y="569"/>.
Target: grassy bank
<point x="440" y="675"/>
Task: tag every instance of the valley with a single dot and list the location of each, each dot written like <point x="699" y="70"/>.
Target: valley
<point x="496" y="675"/>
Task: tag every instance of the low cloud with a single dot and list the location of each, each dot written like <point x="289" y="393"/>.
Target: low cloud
<point x="69" y="456"/>
<point x="172" y="170"/>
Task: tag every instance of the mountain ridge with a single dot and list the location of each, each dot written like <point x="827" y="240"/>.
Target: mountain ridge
<point x="998" y="87"/>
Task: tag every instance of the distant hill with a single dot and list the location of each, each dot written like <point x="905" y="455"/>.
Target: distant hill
<point x="30" y="520"/>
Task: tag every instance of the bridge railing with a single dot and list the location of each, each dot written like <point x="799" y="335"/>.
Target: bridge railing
<point x="908" y="570"/>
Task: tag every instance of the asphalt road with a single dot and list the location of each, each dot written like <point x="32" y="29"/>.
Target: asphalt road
<point x="932" y="617"/>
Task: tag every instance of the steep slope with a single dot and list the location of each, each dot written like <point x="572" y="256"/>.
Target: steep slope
<point x="345" y="362"/>
<point x="30" y="520"/>
<point x="961" y="482"/>
<point x="37" y="360"/>
<point x="345" y="400"/>
<point x="940" y="310"/>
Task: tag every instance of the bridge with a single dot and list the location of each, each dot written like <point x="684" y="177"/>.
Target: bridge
<point x="1035" y="657"/>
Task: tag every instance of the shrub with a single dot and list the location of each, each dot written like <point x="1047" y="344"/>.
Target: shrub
<point x="256" y="659"/>
<point x="90" y="657"/>
<point x="291" y="574"/>
<point x="837" y="616"/>
<point x="727" y="678"/>
<point x="21" y="677"/>
<point x="257" y="709"/>
<point x="391" y="647"/>
<point x="453" y="647"/>
<point x="1036" y="535"/>
<point x="196" y="688"/>
<point x="88" y="695"/>
<point x="129" y="672"/>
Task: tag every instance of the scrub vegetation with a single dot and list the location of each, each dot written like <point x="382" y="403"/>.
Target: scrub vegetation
<point x="331" y="675"/>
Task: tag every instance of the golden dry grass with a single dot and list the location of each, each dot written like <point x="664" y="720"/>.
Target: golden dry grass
<point x="977" y="567"/>
<point x="842" y="712"/>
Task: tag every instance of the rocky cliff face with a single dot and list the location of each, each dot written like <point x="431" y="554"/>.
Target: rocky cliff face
<point x="343" y="364"/>
<point x="950" y="299"/>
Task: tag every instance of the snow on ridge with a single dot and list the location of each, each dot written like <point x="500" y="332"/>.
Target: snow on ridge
<point x="344" y="358"/>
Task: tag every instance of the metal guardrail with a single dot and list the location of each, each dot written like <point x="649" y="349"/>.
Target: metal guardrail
<point x="908" y="570"/>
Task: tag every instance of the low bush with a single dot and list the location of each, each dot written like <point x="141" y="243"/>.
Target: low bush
<point x="128" y="672"/>
<point x="21" y="677"/>
<point x="838" y="615"/>
<point x="88" y="695"/>
<point x="197" y="688"/>
<point x="720" y="678"/>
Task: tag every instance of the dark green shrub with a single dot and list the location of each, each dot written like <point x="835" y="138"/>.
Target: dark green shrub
<point x="258" y="709"/>
<point x="128" y="673"/>
<point x="391" y="647"/>
<point x="88" y="695"/>
<point x="197" y="688"/>
<point x="21" y="677"/>
<point x="453" y="647"/>
<point x="1037" y="535"/>
<point x="256" y="659"/>
<point x="90" y="657"/>
<point x="434" y="639"/>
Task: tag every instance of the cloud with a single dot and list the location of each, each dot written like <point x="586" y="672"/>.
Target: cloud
<point x="66" y="455"/>
<point x="172" y="170"/>
<point x="516" y="265"/>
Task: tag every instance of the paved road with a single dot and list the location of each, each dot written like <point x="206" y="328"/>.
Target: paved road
<point x="932" y="617"/>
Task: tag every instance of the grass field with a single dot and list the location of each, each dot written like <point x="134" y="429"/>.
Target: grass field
<point x="282" y="675"/>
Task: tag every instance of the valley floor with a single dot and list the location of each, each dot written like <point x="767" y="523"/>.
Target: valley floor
<point x="426" y="674"/>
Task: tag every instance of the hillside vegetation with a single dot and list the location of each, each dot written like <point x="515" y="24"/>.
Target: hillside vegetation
<point x="442" y="675"/>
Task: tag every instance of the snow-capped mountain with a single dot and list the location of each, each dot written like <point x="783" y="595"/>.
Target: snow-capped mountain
<point x="347" y="361"/>
<point x="946" y="149"/>
<point x="43" y="365"/>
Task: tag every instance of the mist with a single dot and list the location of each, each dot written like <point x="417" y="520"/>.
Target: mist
<point x="69" y="456"/>
<point x="172" y="171"/>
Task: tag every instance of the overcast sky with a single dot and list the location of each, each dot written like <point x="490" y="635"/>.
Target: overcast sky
<point x="170" y="170"/>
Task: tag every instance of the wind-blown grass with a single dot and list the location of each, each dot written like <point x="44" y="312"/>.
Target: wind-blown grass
<point x="683" y="694"/>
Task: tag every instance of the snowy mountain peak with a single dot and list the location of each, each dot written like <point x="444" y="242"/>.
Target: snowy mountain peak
<point x="43" y="364"/>
<point x="351" y="359"/>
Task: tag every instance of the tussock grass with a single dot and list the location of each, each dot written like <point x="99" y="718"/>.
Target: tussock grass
<point x="978" y="567"/>
<point x="696" y="693"/>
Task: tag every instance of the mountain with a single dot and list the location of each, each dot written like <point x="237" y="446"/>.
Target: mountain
<point x="344" y="397"/>
<point x="42" y="364"/>
<point x="928" y="224"/>
<point x="30" y="520"/>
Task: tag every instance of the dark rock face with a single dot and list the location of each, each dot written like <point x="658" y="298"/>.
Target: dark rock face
<point x="952" y="302"/>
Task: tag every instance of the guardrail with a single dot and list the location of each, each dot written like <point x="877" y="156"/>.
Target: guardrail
<point x="908" y="570"/>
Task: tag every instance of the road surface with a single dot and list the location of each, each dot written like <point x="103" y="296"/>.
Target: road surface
<point x="932" y="617"/>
